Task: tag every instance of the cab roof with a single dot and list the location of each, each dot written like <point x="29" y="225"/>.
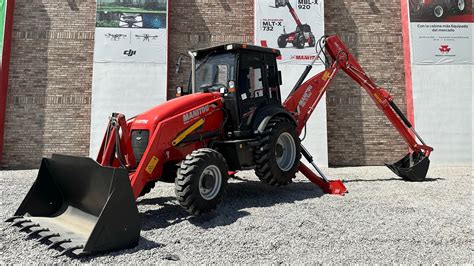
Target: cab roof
<point x="236" y="46"/>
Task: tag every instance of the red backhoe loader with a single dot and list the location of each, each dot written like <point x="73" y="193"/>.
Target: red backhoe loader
<point x="231" y="120"/>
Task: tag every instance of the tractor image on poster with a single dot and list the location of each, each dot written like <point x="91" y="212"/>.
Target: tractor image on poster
<point x="438" y="9"/>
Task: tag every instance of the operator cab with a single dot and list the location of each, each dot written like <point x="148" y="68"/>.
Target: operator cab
<point x="246" y="75"/>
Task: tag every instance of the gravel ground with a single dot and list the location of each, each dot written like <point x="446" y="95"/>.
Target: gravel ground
<point x="381" y="220"/>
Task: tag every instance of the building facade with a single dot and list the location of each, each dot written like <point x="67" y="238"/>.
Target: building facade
<point x="49" y="94"/>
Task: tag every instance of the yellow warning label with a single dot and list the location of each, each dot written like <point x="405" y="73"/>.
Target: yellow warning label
<point x="151" y="165"/>
<point x="326" y="75"/>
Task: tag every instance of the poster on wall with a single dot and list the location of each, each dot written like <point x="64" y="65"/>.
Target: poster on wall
<point x="441" y="31"/>
<point x="292" y="26"/>
<point x="131" y="31"/>
<point x="3" y="10"/>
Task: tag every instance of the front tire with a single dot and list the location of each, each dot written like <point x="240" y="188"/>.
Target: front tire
<point x="299" y="40"/>
<point x="278" y="154"/>
<point x="312" y="40"/>
<point x="201" y="181"/>
<point x="282" y="41"/>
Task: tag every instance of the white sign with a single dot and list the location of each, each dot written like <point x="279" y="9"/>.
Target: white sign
<point x="292" y="26"/>
<point x="131" y="31"/>
<point x="441" y="32"/>
<point x="130" y="45"/>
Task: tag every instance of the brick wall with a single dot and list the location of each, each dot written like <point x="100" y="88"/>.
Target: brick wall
<point x="201" y="23"/>
<point x="48" y="103"/>
<point x="358" y="133"/>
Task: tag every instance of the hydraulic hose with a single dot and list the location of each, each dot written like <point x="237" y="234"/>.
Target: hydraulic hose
<point x="400" y="114"/>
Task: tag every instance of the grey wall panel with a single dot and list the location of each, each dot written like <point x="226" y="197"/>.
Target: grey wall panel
<point x="442" y="98"/>
<point x="125" y="88"/>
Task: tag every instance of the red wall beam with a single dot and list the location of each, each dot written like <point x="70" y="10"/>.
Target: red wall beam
<point x="4" y="67"/>
<point x="407" y="60"/>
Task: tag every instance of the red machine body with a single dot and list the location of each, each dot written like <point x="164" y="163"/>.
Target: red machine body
<point x="304" y="100"/>
<point x="163" y="122"/>
<point x="166" y="121"/>
<point x="234" y="120"/>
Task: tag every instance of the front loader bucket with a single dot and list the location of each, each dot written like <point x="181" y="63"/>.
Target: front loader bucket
<point x="80" y="207"/>
<point x="412" y="167"/>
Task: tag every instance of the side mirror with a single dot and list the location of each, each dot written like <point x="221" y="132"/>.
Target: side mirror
<point x="280" y="80"/>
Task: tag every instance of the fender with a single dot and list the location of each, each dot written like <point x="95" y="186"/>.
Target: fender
<point x="266" y="113"/>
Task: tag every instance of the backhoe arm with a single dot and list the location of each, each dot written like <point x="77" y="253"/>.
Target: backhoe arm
<point x="306" y="95"/>
<point x="304" y="98"/>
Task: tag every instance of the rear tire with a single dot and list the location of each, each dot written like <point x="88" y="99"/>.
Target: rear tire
<point x="460" y="6"/>
<point x="416" y="7"/>
<point x="278" y="154"/>
<point x="439" y="10"/>
<point x="201" y="181"/>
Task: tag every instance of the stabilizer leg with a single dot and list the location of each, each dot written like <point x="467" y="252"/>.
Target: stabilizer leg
<point x="335" y="187"/>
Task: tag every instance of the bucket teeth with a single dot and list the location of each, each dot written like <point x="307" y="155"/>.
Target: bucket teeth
<point x="34" y="232"/>
<point x="48" y="236"/>
<point x="27" y="227"/>
<point x="20" y="222"/>
<point x="58" y="243"/>
<point x="77" y="201"/>
<point x="69" y="250"/>
<point x="13" y="218"/>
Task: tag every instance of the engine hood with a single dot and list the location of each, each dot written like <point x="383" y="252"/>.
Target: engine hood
<point x="171" y="108"/>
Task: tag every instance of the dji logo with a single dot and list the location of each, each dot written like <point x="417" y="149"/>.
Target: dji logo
<point x="129" y="52"/>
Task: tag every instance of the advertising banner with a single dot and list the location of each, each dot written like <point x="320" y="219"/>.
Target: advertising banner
<point x="441" y="31"/>
<point x="293" y="26"/>
<point x="3" y="10"/>
<point x="131" y="31"/>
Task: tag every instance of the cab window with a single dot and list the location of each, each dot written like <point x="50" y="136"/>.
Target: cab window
<point x="250" y="76"/>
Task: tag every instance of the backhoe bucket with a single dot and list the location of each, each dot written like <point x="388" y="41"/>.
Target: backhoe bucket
<point x="80" y="207"/>
<point x="412" y="167"/>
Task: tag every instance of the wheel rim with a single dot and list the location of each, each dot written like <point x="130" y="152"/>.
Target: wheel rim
<point x="438" y="11"/>
<point x="415" y="5"/>
<point x="461" y="5"/>
<point x="210" y="182"/>
<point x="285" y="151"/>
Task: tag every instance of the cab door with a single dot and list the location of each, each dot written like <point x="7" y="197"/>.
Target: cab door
<point x="252" y="91"/>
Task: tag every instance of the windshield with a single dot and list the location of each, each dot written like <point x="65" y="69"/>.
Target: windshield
<point x="214" y="71"/>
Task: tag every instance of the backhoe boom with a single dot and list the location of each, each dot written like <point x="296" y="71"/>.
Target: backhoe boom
<point x="306" y="95"/>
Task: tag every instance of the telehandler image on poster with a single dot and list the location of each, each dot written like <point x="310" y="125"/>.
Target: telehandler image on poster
<point x="301" y="35"/>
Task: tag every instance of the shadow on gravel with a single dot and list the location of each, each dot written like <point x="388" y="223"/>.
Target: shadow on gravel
<point x="390" y="179"/>
<point x="143" y="244"/>
<point x="239" y="196"/>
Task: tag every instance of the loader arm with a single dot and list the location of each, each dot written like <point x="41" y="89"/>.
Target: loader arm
<point x="305" y="96"/>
